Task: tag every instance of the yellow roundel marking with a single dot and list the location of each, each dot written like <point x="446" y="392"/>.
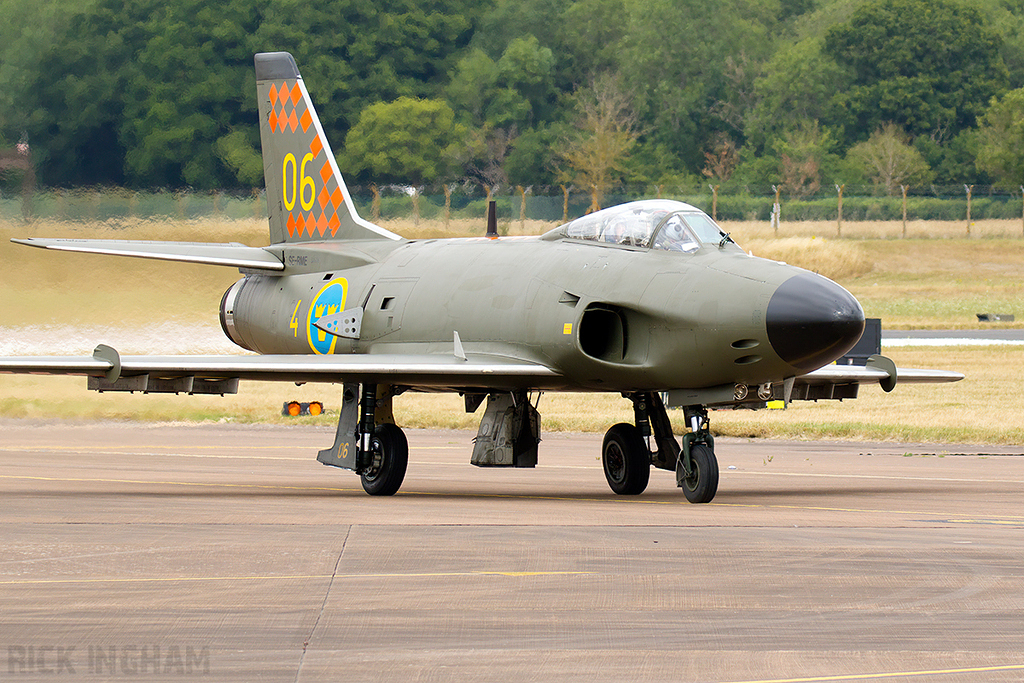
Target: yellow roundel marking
<point x="328" y="301"/>
<point x="567" y="328"/>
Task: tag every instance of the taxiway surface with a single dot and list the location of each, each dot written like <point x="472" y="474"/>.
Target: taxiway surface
<point x="163" y="552"/>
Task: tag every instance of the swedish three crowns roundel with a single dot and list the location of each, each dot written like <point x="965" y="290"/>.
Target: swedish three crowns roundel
<point x="328" y="301"/>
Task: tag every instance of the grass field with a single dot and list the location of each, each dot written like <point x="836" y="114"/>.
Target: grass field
<point x="937" y="282"/>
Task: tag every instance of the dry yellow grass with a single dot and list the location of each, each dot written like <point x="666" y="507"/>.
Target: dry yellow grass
<point x="836" y="259"/>
<point x="45" y="287"/>
<point x="878" y="230"/>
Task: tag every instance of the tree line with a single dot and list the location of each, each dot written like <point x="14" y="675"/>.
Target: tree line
<point x="801" y="94"/>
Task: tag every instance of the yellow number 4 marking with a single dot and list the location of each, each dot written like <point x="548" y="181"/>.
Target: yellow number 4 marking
<point x="295" y="319"/>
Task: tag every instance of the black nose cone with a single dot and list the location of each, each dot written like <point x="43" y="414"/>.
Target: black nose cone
<point x="812" y="321"/>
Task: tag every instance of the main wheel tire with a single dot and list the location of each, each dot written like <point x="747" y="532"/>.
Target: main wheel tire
<point x="390" y="460"/>
<point x="702" y="485"/>
<point x="626" y="460"/>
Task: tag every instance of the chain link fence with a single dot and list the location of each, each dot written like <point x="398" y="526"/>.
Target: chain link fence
<point x="555" y="204"/>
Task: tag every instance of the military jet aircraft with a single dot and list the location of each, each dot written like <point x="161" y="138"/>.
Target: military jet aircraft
<point x="649" y="299"/>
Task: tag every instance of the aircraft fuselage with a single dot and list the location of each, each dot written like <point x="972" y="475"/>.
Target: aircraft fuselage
<point x="605" y="317"/>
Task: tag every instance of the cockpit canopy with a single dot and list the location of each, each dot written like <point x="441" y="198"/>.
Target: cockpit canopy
<point x="656" y="224"/>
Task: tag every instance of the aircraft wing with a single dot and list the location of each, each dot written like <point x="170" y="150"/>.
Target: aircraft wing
<point x="233" y="254"/>
<point x="108" y="371"/>
<point x="843" y="381"/>
<point x="836" y="374"/>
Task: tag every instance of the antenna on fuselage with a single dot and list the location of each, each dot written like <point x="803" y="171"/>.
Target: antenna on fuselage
<point x="492" y="219"/>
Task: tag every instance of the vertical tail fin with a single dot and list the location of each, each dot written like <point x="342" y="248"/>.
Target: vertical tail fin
<point x="306" y="196"/>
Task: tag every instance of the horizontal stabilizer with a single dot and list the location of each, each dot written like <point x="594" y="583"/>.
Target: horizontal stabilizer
<point x="233" y="255"/>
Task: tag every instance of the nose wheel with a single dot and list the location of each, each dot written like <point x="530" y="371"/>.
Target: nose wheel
<point x="627" y="457"/>
<point x="697" y="466"/>
<point x="700" y="482"/>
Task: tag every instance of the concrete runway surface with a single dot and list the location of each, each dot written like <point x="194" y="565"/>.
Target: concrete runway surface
<point x="220" y="552"/>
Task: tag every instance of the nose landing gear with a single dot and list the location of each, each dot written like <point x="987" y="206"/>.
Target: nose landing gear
<point x="697" y="466"/>
<point x="627" y="458"/>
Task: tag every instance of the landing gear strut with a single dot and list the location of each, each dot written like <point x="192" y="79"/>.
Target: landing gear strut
<point x="368" y="441"/>
<point x="627" y="459"/>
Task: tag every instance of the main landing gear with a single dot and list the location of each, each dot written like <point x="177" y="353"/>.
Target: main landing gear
<point x="368" y="440"/>
<point x="627" y="459"/>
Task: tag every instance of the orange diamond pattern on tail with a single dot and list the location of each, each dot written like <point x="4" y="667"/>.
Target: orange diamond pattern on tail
<point x="310" y="214"/>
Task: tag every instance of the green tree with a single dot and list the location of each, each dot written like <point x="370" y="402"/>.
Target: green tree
<point x="149" y="93"/>
<point x="408" y="141"/>
<point x="679" y="54"/>
<point x="471" y="86"/>
<point x="796" y="84"/>
<point x="926" y="65"/>
<point x="889" y="160"/>
<point x="807" y="157"/>
<point x="532" y="159"/>
<point x="1006" y="17"/>
<point x="591" y="39"/>
<point x="595" y="157"/>
<point x="1001" y="139"/>
<point x="527" y="69"/>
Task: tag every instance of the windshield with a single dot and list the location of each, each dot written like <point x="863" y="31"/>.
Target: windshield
<point x="686" y="231"/>
<point x="675" y="235"/>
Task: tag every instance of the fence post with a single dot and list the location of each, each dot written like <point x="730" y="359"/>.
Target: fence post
<point x="522" y="207"/>
<point x="595" y="205"/>
<point x="839" y="220"/>
<point x="565" y="203"/>
<point x="904" y="188"/>
<point x="776" y="209"/>
<point x="1022" y="210"/>
<point x="969" y="189"/>
<point x="714" y="201"/>
<point x="447" y="205"/>
<point x="375" y="205"/>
